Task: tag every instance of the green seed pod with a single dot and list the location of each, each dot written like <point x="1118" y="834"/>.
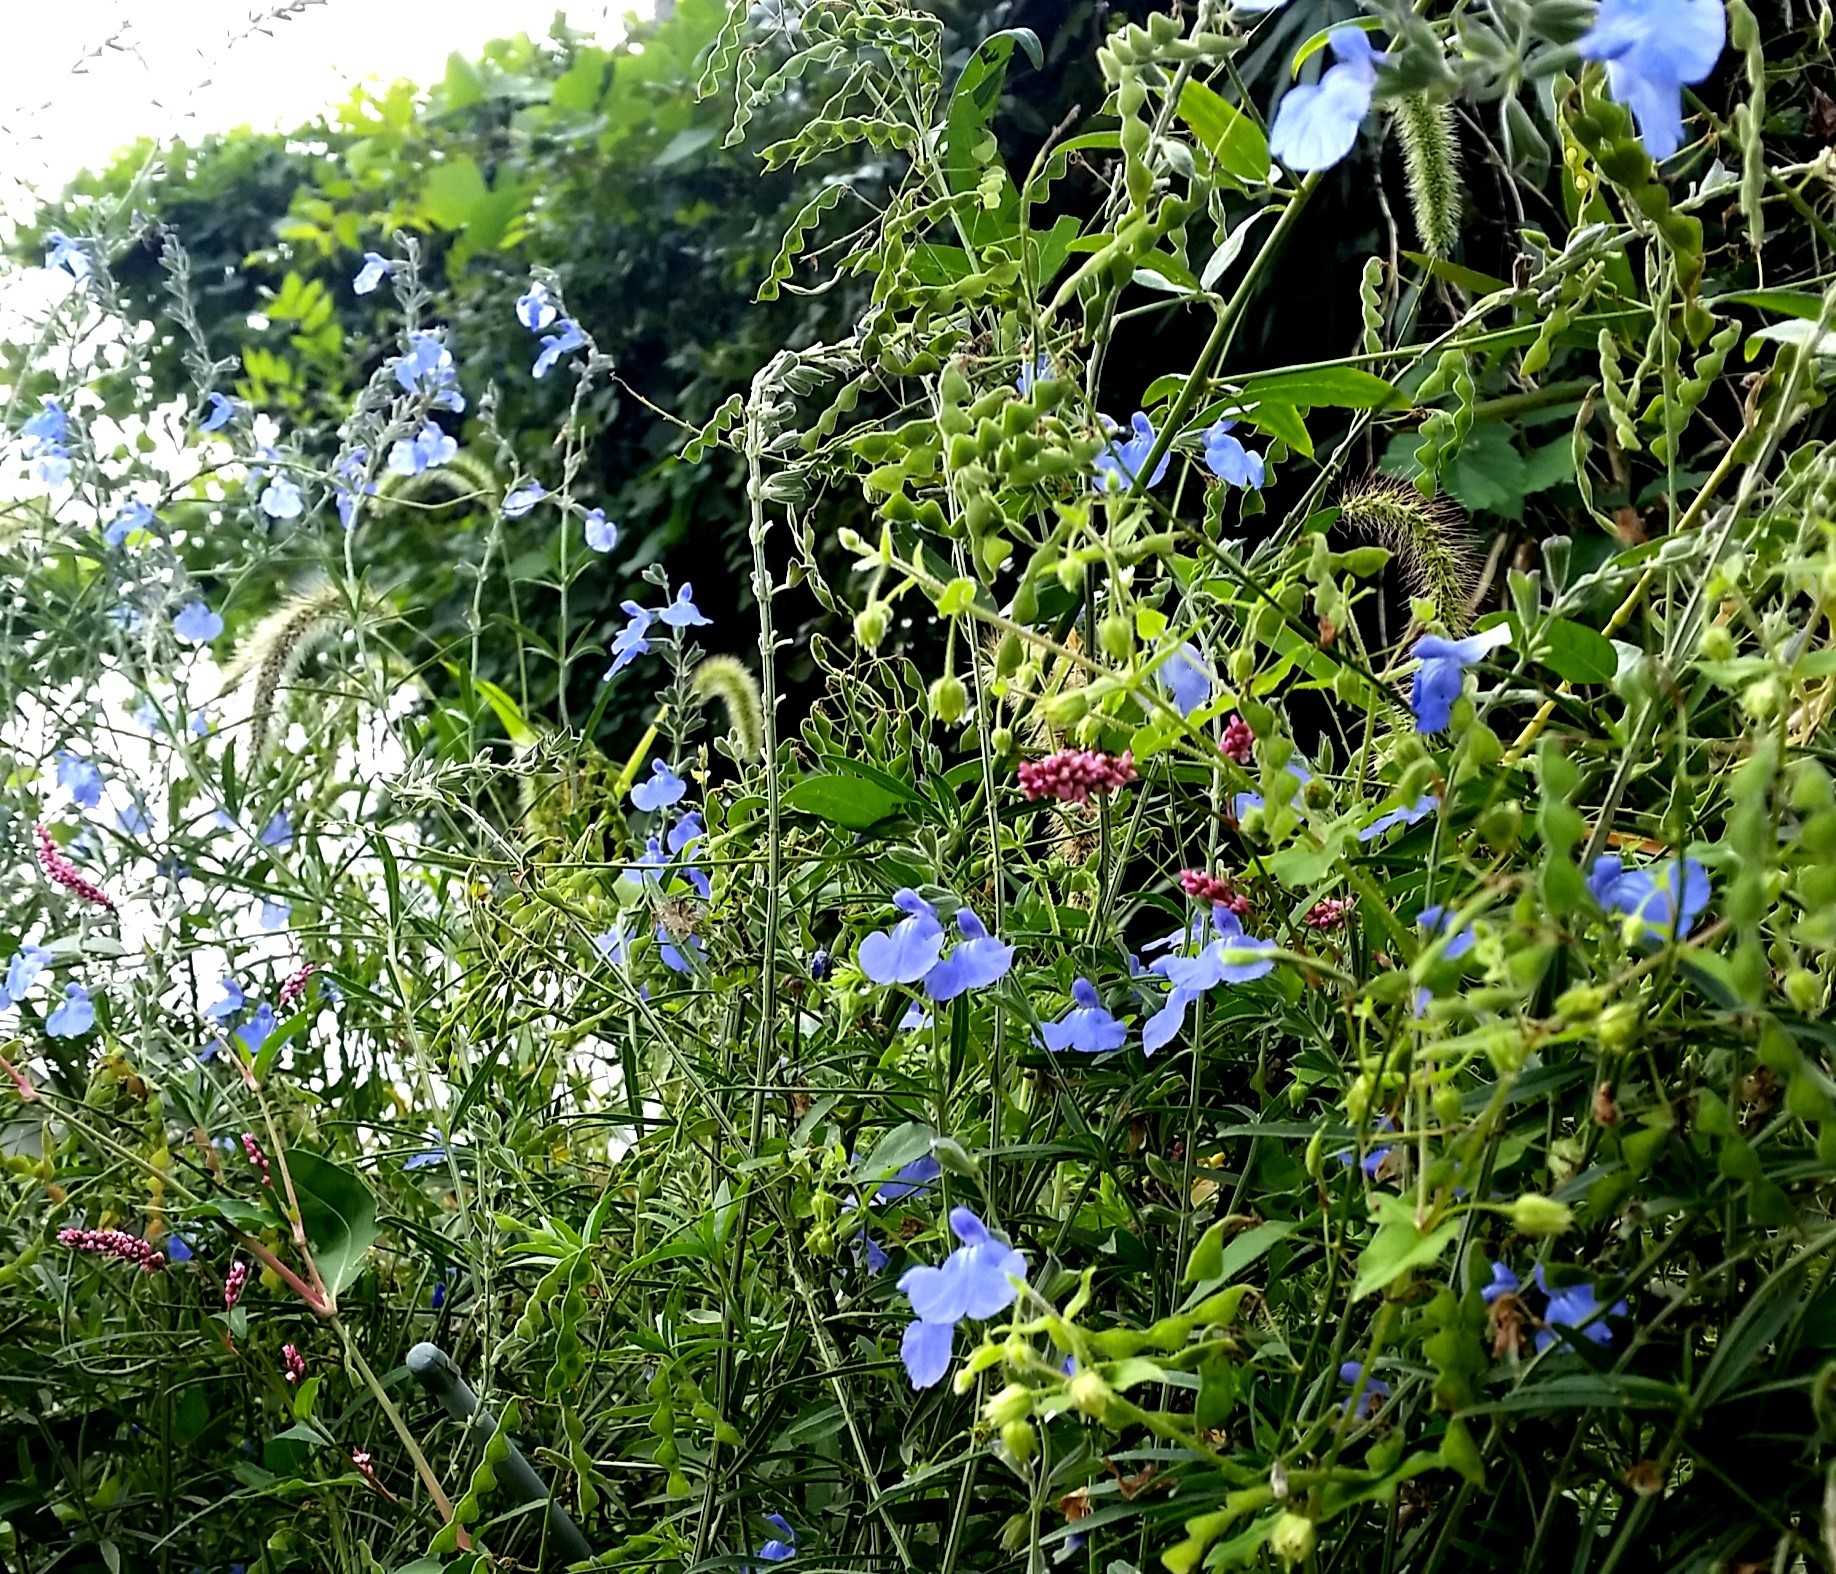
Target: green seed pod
<point x="949" y="699"/>
<point x="1115" y="637"/>
<point x="870" y="624"/>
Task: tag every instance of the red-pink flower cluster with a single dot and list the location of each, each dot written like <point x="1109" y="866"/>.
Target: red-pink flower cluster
<point x="1328" y="913"/>
<point x="365" y="1464"/>
<point x="1213" y="890"/>
<point x="234" y="1283"/>
<point x="59" y="870"/>
<point x="1075" y="775"/>
<point x="1237" y="741"/>
<point x="144" y="1255"/>
<point x="293" y="1364"/>
<point x="256" y="1157"/>
<point x="294" y="990"/>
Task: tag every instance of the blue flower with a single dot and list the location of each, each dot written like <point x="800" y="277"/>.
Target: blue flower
<point x="566" y="338"/>
<point x="1041" y="369"/>
<point x="438" y="1298"/>
<point x="426" y="1158"/>
<point x="255" y="1032"/>
<point x="913" y="1180"/>
<point x="1373" y="1161"/>
<point x="351" y="473"/>
<point x="49" y="429"/>
<point x="601" y="533"/>
<point x="1442" y="664"/>
<point x="1571" y="1307"/>
<point x="218" y="412"/>
<point x="1376" y="1390"/>
<point x="1651" y="896"/>
<point x="524" y="498"/>
<point x="682" y="613"/>
<point x="783" y="1546"/>
<point x="975" y="1280"/>
<point x="907" y="951"/>
<point x="979" y="961"/>
<point x="1230" y="959"/>
<point x="632" y="640"/>
<point x="428" y="370"/>
<point x="62" y="252"/>
<point x="278" y="832"/>
<point x="82" y="779"/>
<point x="916" y="1018"/>
<point x="673" y="958"/>
<point x="22" y="972"/>
<point x="228" y="1004"/>
<point x="428" y="448"/>
<point x="1316" y="126"/>
<point x="877" y="1260"/>
<point x="664" y="788"/>
<point x="1652" y="50"/>
<point x="1241" y="805"/>
<point x="534" y="310"/>
<point x="74" y="1017"/>
<point x="275" y="913"/>
<point x="1183" y="676"/>
<point x="683" y="838"/>
<point x="1227" y="458"/>
<point x="281" y="499"/>
<point x="613" y="946"/>
<point x="133" y="516"/>
<point x="1409" y="814"/>
<point x="1118" y="466"/>
<point x="1438" y="919"/>
<point x="375" y="269"/>
<point x="820" y="965"/>
<point x="1087" y="1027"/>
<point x="1504" y="1282"/>
<point x="196" y="624"/>
<point x="178" y="1249"/>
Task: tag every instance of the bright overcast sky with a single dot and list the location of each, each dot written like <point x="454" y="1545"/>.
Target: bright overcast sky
<point x="81" y="78"/>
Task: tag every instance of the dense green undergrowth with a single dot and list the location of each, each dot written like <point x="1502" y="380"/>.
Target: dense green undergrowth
<point x="1269" y="1012"/>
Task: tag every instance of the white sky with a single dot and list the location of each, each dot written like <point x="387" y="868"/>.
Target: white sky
<point x="82" y="78"/>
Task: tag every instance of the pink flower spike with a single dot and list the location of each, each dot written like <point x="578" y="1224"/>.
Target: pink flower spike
<point x="1237" y="741"/>
<point x="114" y="1243"/>
<point x="1075" y="775"/>
<point x="294" y="989"/>
<point x="234" y="1283"/>
<point x="1213" y="890"/>
<point x="293" y="1364"/>
<point x="256" y="1157"/>
<point x="1329" y="913"/>
<point x="59" y="870"/>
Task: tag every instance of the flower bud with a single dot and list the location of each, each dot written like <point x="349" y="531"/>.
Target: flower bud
<point x="870" y="625"/>
<point x="1020" y="1441"/>
<point x="1115" y="637"/>
<point x="1618" y="1026"/>
<point x="1761" y="700"/>
<point x="1065" y="709"/>
<point x="1581" y="1002"/>
<point x="1717" y="644"/>
<point x="1013" y="1403"/>
<point x="1292" y="1538"/>
<point x="1090" y="1394"/>
<point x="1804" y="989"/>
<point x="1538" y="1216"/>
<point x="949" y="699"/>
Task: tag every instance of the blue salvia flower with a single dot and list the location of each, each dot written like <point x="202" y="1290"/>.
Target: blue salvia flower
<point x="275" y="913"/>
<point x="1233" y="958"/>
<point x="683" y="838"/>
<point x="912" y="1181"/>
<point x="601" y="533"/>
<point x="218" y="412"/>
<point x="47" y="437"/>
<point x="281" y="499"/>
<point x="196" y="624"/>
<point x="782" y="1547"/>
<point x="228" y="1003"/>
<point x="1029" y="375"/>
<point x="133" y="516"/>
<point x="632" y="640"/>
<point x="1227" y="458"/>
<point x="1183" y="676"/>
<point x="980" y="960"/>
<point x="524" y="498"/>
<point x="1440" y="670"/>
<point x="375" y="269"/>
<point x="566" y="338"/>
<point x="1663" y="900"/>
<point x="350" y="474"/>
<point x="63" y="252"/>
<point x="22" y="972"/>
<point x="664" y="788"/>
<point x="1504" y="1282"/>
<point x="1408" y="814"/>
<point x="1376" y="1390"/>
<point x="821" y="965"/>
<point x="1244" y="802"/>
<point x="428" y="448"/>
<point x="178" y="1249"/>
<point x="907" y="951"/>
<point x="534" y="310"/>
<point x="1316" y="126"/>
<point x="75" y="1017"/>
<point x="80" y="778"/>
<point x="1373" y="1161"/>
<point x="427" y="1158"/>
<point x="682" y="613"/>
<point x="916" y="1018"/>
<point x="1653" y="49"/>
<point x="1570" y="1308"/>
<point x="613" y="946"/>
<point x="1115" y="469"/>
<point x="256" y="1031"/>
<point x="1087" y="1027"/>
<point x="1439" y="919"/>
<point x="428" y="370"/>
<point x="672" y="956"/>
<point x="278" y="832"/>
<point x="979" y="1279"/>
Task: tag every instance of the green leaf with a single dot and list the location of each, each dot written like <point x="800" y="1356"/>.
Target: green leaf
<point x="303" y="1398"/>
<point x="1283" y="421"/>
<point x="1571" y="650"/>
<point x="1804" y="304"/>
<point x="1213" y="1263"/>
<point x="579" y="89"/>
<point x="462" y="86"/>
<point x="968" y="151"/>
<point x="508" y="712"/>
<point x="898" y="1148"/>
<point x="1468" y="279"/>
<point x="1397" y="1247"/>
<point x="1340" y="387"/>
<point x="1228" y="135"/>
<point x="848" y="801"/>
<point x="339" y="1215"/>
<point x="1487" y="474"/>
<point x="453" y="191"/>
